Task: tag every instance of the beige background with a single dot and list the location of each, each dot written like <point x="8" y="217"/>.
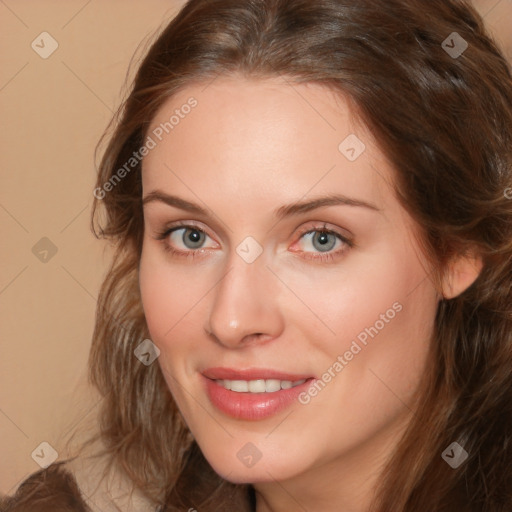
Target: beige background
<point x="53" y="112"/>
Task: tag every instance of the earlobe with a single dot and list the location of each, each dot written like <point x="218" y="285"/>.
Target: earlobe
<point x="461" y="274"/>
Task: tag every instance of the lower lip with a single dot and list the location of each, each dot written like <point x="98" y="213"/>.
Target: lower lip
<point x="252" y="406"/>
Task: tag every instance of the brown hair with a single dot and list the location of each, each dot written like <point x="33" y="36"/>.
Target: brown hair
<point x="445" y="123"/>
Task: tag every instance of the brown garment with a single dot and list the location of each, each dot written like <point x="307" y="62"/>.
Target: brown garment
<point x="71" y="486"/>
<point x="53" y="489"/>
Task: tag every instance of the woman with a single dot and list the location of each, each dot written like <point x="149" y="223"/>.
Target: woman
<point x="310" y="303"/>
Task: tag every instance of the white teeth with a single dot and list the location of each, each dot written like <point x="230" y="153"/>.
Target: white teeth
<point x="272" y="385"/>
<point x="259" y="385"/>
<point x="240" y="386"/>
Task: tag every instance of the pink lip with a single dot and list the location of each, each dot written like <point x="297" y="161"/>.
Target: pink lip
<point x="219" y="373"/>
<point x="251" y="406"/>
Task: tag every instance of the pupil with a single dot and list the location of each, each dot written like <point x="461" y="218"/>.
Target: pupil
<point x="323" y="239"/>
<point x="193" y="238"/>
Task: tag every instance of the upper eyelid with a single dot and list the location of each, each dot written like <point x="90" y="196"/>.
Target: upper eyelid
<point x="324" y="227"/>
<point x="185" y="225"/>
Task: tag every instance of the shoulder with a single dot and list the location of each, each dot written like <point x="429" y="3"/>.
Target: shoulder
<point x="77" y="484"/>
<point x="52" y="489"/>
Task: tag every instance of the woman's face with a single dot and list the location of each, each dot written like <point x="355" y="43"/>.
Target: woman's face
<point x="255" y="269"/>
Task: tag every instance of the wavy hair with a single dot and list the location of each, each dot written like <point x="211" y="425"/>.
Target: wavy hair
<point x="445" y="124"/>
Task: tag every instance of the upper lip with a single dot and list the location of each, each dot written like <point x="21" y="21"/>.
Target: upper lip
<point x="220" y="373"/>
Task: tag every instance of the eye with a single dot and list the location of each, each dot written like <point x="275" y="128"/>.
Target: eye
<point x="184" y="240"/>
<point x="322" y="244"/>
<point x="322" y="241"/>
<point x="190" y="237"/>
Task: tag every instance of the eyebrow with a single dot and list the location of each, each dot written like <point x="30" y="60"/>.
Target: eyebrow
<point x="281" y="212"/>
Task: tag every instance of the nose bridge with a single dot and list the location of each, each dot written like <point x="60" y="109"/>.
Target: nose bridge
<point x="244" y="301"/>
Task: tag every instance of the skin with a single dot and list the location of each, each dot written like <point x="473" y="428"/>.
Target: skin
<point x="246" y="149"/>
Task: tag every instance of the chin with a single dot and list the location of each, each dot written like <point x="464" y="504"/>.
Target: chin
<point x="240" y="469"/>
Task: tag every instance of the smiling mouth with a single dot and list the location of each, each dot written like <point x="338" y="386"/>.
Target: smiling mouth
<point x="253" y="393"/>
<point x="254" y="399"/>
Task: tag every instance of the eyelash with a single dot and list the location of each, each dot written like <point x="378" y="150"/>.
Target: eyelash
<point x="193" y="253"/>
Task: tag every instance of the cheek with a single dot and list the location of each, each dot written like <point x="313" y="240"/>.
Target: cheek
<point x="399" y="357"/>
<point x="169" y="295"/>
<point x="359" y="299"/>
<point x="167" y="302"/>
<point x="379" y="319"/>
<point x="375" y="361"/>
<point x="157" y="299"/>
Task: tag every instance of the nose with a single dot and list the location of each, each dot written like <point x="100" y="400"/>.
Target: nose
<point x="244" y="309"/>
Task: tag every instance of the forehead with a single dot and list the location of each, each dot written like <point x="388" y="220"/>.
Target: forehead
<point x="268" y="140"/>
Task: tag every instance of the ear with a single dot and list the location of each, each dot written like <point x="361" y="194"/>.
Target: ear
<point x="461" y="273"/>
